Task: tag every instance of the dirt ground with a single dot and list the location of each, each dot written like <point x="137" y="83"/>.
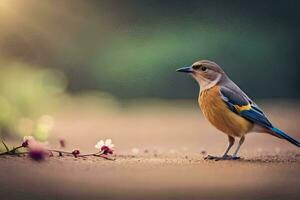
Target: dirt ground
<point x="159" y="155"/>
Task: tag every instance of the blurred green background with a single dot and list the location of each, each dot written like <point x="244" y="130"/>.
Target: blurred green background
<point x="129" y="49"/>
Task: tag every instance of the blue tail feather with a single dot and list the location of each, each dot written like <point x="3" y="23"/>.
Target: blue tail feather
<point x="285" y="136"/>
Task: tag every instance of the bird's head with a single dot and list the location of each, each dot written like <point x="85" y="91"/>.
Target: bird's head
<point x="205" y="72"/>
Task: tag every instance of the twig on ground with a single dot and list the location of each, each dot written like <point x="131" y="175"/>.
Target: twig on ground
<point x="38" y="151"/>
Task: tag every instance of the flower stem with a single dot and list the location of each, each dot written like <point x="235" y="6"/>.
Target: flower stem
<point x="98" y="154"/>
<point x="92" y="154"/>
<point x="106" y="158"/>
<point x="12" y="151"/>
<point x="86" y="155"/>
<point x="59" y="151"/>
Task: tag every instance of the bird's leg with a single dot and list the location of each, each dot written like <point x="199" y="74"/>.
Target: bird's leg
<point x="238" y="148"/>
<point x="231" y="143"/>
<point x="225" y="156"/>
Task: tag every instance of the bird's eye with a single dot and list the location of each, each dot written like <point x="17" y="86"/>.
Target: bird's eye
<point x="196" y="67"/>
<point x="200" y="67"/>
<point x="203" y="68"/>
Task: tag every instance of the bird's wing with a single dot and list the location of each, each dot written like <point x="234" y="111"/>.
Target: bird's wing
<point x="242" y="105"/>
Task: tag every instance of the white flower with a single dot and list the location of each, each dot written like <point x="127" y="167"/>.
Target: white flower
<point x="105" y="147"/>
<point x="28" y="138"/>
<point x="107" y="142"/>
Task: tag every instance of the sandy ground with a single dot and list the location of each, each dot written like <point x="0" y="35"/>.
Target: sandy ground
<point x="169" y="164"/>
<point x="270" y="177"/>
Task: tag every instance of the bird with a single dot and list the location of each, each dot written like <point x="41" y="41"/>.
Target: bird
<point x="228" y="108"/>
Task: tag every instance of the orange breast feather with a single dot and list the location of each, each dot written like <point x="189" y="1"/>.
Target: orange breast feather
<point x="217" y="113"/>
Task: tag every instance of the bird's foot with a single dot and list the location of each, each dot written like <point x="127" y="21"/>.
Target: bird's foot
<point x="225" y="157"/>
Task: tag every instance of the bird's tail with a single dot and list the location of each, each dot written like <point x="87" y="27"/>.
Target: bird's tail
<point x="285" y="136"/>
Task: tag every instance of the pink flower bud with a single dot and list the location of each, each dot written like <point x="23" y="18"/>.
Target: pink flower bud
<point x="37" y="150"/>
<point x="62" y="143"/>
<point x="106" y="150"/>
<point x="27" y="140"/>
<point x="25" y="144"/>
<point x="76" y="153"/>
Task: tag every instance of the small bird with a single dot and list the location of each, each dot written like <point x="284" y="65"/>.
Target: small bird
<point x="228" y="108"/>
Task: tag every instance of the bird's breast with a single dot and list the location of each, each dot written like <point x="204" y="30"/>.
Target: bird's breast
<point x="218" y="114"/>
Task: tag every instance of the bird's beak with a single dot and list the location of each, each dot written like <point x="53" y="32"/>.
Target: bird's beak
<point x="185" y="69"/>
